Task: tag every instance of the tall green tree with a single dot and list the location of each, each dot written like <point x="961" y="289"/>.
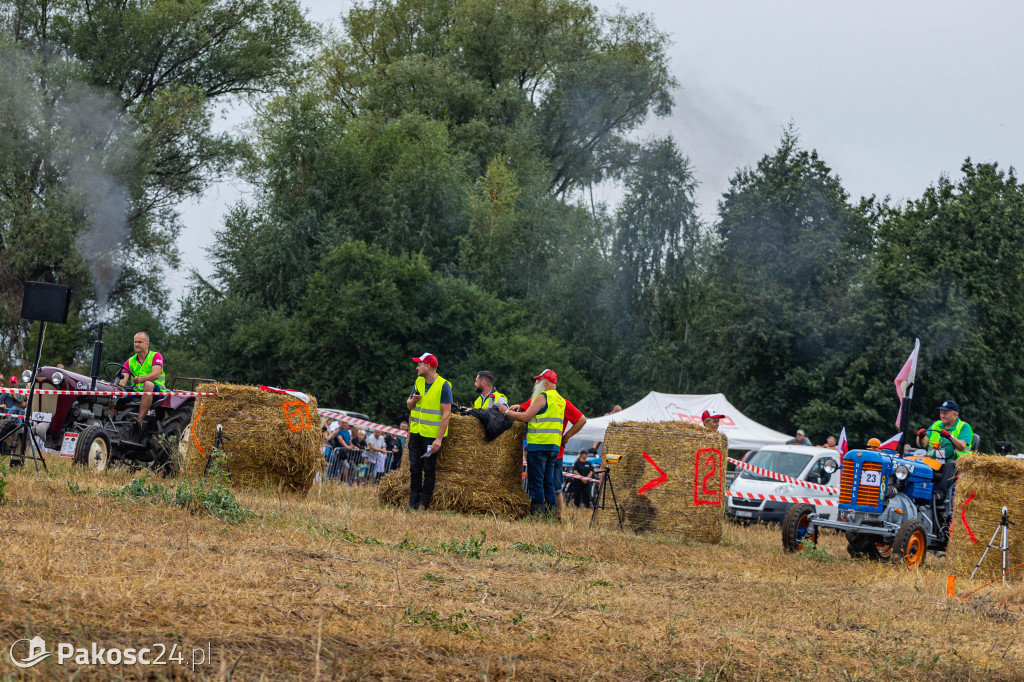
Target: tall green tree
<point x="951" y="271"/>
<point x="363" y="314"/>
<point x="787" y="275"/>
<point x="108" y="118"/>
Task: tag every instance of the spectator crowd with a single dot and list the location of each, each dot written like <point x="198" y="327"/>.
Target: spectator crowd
<point x="360" y="457"/>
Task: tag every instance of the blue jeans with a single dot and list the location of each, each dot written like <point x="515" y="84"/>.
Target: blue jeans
<point x="541" y="471"/>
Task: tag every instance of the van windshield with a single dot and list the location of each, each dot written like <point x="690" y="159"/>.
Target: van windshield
<point x="785" y="463"/>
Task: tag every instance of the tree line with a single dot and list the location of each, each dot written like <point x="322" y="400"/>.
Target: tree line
<point x="424" y="180"/>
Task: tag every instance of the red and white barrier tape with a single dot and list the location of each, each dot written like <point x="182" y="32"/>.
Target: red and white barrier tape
<point x="44" y="391"/>
<point x="785" y="479"/>
<point x="13" y="416"/>
<point x="783" y="498"/>
<point x="582" y="478"/>
<point x="362" y="422"/>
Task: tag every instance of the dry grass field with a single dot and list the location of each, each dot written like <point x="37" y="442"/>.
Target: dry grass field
<point x="333" y="586"/>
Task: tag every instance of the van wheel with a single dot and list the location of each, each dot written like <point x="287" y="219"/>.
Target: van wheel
<point x="794" y="528"/>
<point x="93" y="449"/>
<point x="910" y="545"/>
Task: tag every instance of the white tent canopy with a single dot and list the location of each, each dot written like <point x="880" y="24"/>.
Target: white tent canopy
<point x="743" y="433"/>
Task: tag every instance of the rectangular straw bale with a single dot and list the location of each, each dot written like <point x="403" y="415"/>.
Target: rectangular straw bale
<point x="689" y="503"/>
<point x="275" y="438"/>
<point x="473" y="476"/>
<point x="994" y="482"/>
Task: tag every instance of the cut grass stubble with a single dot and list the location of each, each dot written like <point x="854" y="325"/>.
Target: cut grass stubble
<point x="332" y="584"/>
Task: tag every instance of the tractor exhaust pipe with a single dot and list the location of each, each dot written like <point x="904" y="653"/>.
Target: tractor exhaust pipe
<point x="97" y="357"/>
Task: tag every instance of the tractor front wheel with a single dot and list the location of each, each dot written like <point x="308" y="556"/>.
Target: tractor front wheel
<point x="794" y="528"/>
<point x="93" y="449"/>
<point x="910" y="545"/>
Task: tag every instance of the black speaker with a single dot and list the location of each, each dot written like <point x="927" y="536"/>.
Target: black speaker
<point x="45" y="302"/>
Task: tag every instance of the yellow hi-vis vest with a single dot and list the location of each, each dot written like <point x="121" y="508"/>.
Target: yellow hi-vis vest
<point x="426" y="414"/>
<point x="934" y="437"/>
<point x="489" y="401"/>
<point x="546" y="427"/>
<point x="141" y="369"/>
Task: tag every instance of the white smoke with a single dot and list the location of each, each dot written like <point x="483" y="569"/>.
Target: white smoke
<point x="79" y="133"/>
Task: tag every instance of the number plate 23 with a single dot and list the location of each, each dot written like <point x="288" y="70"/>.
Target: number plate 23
<point x="871" y="478"/>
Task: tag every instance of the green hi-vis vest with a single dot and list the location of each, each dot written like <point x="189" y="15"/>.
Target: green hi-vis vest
<point x="144" y="368"/>
<point x="426" y="414"/>
<point x="489" y="401"/>
<point x="934" y="437"/>
<point x="546" y="427"/>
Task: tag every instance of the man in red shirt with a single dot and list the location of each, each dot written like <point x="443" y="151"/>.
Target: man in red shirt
<point x="572" y="416"/>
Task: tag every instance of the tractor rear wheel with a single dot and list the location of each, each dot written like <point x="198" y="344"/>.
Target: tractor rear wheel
<point x="794" y="528"/>
<point x="164" y="446"/>
<point x="859" y="545"/>
<point x="910" y="545"/>
<point x="93" y="449"/>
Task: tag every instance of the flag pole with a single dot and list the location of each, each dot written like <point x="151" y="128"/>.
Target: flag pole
<point x="908" y="395"/>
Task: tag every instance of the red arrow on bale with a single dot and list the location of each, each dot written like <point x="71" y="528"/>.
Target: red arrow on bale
<point x="654" y="482"/>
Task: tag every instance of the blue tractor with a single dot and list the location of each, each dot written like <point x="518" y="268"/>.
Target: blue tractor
<point x="891" y="508"/>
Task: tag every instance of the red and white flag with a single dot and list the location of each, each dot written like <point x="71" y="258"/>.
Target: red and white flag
<point x="907" y="377"/>
<point x="843" y="446"/>
<point x="892" y="443"/>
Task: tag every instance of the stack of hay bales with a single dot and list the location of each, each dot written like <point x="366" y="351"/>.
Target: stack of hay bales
<point x="995" y="482"/>
<point x="689" y="503"/>
<point x="473" y="476"/>
<point x="275" y="438"/>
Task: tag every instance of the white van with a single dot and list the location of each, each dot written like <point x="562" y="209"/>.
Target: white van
<point x="803" y="462"/>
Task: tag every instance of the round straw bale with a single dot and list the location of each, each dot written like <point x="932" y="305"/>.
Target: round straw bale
<point x="989" y="482"/>
<point x="689" y="503"/>
<point x="473" y="476"/>
<point x="274" y="439"/>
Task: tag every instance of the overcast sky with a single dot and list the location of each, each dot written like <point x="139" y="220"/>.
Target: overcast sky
<point x="891" y="94"/>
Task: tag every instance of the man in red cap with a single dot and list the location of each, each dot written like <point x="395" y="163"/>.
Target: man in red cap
<point x="12" y="403"/>
<point x="572" y="416"/>
<point x="710" y="420"/>
<point x="544" y="421"/>
<point x="430" y="404"/>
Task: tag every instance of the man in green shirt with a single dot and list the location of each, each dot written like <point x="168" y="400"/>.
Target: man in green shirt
<point x="950" y="433"/>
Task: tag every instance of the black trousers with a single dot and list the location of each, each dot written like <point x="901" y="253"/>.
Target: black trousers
<point x="422" y="469"/>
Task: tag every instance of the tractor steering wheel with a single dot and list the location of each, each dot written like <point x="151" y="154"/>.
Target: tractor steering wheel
<point x="114" y="376"/>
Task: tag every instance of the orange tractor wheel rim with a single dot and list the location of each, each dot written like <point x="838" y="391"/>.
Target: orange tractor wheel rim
<point x="915" y="549"/>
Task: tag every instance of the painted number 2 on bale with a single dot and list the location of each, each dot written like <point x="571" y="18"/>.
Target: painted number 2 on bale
<point x="706" y="464"/>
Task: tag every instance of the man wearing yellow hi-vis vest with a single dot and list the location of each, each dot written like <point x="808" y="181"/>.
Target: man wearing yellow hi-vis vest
<point x="147" y="374"/>
<point x="544" y="424"/>
<point x="489" y="397"/>
<point x="953" y="436"/>
<point x="430" y="404"/>
<point x="950" y="433"/>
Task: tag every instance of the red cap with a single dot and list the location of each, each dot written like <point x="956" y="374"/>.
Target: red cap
<point x="707" y="415"/>
<point x="427" y="358"/>
<point x="14" y="380"/>
<point x="548" y="374"/>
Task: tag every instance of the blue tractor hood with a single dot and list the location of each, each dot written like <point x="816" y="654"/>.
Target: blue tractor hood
<point x="867" y="473"/>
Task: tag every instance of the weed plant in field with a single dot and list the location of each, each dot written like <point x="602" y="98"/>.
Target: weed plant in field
<point x="211" y="494"/>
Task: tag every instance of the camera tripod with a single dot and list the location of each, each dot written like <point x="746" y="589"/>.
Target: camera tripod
<point x="602" y="496"/>
<point x="27" y="438"/>
<point x="1003" y="546"/>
